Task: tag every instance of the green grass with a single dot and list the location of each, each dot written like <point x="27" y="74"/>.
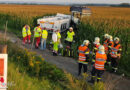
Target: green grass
<point x="28" y="71"/>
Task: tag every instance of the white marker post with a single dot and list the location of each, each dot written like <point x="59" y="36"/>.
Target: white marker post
<point x="3" y="71"/>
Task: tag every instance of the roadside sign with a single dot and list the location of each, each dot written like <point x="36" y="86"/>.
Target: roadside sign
<point x="3" y="71"/>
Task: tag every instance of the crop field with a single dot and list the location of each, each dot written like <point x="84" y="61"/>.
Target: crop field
<point x="111" y="20"/>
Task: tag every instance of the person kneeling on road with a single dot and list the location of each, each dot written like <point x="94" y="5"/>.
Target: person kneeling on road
<point x="98" y="68"/>
<point x="83" y="56"/>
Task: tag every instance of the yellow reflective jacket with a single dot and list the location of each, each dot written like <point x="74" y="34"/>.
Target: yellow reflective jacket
<point x="44" y="34"/>
<point x="24" y="32"/>
<point x="70" y="36"/>
<point x="37" y="32"/>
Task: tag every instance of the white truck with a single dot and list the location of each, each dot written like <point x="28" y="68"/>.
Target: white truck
<point x="60" y="21"/>
<point x="63" y="21"/>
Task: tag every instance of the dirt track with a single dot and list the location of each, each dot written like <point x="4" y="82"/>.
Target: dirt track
<point x="70" y="65"/>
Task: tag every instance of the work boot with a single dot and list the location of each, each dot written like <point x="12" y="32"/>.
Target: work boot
<point x="98" y="80"/>
<point x="92" y="80"/>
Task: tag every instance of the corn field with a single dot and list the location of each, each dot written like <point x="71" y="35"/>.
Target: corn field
<point x="111" y="20"/>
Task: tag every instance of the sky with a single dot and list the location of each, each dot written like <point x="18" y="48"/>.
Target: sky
<point x="73" y="1"/>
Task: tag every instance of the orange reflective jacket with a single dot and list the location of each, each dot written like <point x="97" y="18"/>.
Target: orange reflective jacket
<point x="105" y="45"/>
<point x="96" y="46"/>
<point x="83" y="50"/>
<point x="100" y="60"/>
<point x="114" y="51"/>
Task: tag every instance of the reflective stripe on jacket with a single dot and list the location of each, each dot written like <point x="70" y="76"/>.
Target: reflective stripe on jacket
<point x="100" y="60"/>
<point x="114" y="51"/>
<point x="83" y="51"/>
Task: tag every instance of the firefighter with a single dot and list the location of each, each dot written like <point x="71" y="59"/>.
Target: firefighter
<point x="96" y="45"/>
<point x="115" y="54"/>
<point x="37" y="35"/>
<point x="98" y="68"/>
<point x="70" y="35"/>
<point x="44" y="38"/>
<point x="55" y="42"/>
<point x="83" y="56"/>
<point x="110" y="45"/>
<point x="26" y="34"/>
<point x="105" y="44"/>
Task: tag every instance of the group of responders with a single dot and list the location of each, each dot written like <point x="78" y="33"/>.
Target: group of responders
<point x="107" y="54"/>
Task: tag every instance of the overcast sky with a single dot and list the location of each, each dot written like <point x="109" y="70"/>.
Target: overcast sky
<point x="75" y="1"/>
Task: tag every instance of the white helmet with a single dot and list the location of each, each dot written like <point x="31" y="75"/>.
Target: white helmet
<point x="97" y="40"/>
<point x="110" y="37"/>
<point x="101" y="48"/>
<point x="71" y="28"/>
<point x="86" y="42"/>
<point x="106" y="36"/>
<point x="116" y="39"/>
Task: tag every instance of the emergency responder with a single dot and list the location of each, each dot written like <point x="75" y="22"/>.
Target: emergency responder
<point x="110" y="45"/>
<point x="44" y="38"/>
<point x="98" y="68"/>
<point x="37" y="35"/>
<point x="96" y="45"/>
<point x="55" y="42"/>
<point x="70" y="36"/>
<point x="26" y="34"/>
<point x="59" y="42"/>
<point x="115" y="54"/>
<point x="105" y="44"/>
<point x="83" y="56"/>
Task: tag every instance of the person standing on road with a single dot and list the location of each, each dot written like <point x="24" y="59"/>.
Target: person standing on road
<point x="83" y="56"/>
<point x="70" y="36"/>
<point x="55" y="42"/>
<point x="26" y="32"/>
<point x="98" y="68"/>
<point x="37" y="35"/>
<point x="96" y="45"/>
<point x="44" y="38"/>
<point x="105" y="44"/>
<point x="115" y="54"/>
<point x="110" y="45"/>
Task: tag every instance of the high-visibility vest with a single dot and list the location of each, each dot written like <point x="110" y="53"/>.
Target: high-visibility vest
<point x="100" y="60"/>
<point x="70" y="36"/>
<point x="59" y="35"/>
<point x="29" y="31"/>
<point x="24" y="32"/>
<point x="83" y="51"/>
<point x="37" y="32"/>
<point x="106" y="45"/>
<point x="44" y="34"/>
<point x="114" y="51"/>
